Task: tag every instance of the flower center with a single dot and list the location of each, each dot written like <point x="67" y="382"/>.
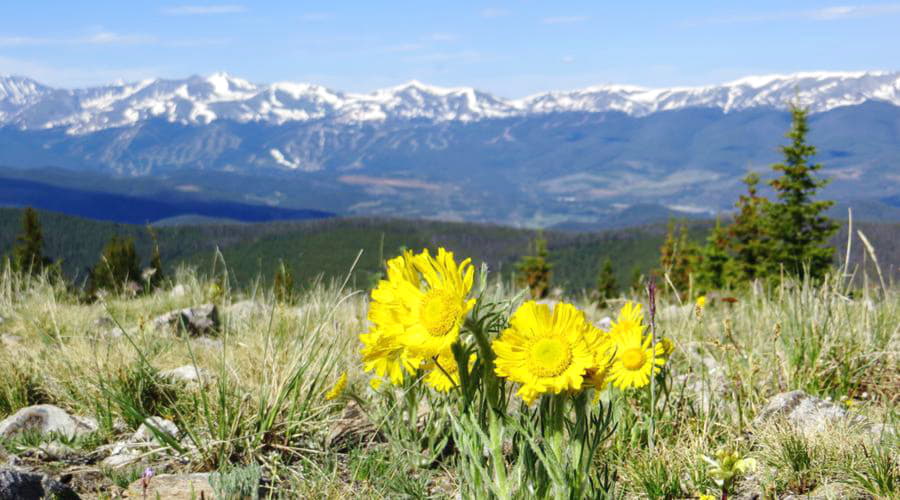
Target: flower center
<point x="633" y="358"/>
<point x="439" y="312"/>
<point x="550" y="357"/>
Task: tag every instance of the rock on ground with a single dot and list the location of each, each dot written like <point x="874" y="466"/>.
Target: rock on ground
<point x="241" y="311"/>
<point x="809" y="414"/>
<point x="16" y="485"/>
<point x="178" y="291"/>
<point x="199" y="320"/>
<point x="144" y="433"/>
<point x="46" y="419"/>
<point x="605" y="323"/>
<point x="186" y="373"/>
<point x="174" y="487"/>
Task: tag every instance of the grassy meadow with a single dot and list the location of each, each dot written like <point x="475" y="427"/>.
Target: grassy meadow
<point x="259" y="410"/>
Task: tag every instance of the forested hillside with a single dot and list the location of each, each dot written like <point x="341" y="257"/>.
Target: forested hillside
<point x="329" y="247"/>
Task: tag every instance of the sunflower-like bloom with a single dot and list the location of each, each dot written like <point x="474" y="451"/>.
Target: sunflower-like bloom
<point x="383" y="354"/>
<point x="446" y="376"/>
<point x="416" y="312"/>
<point x="635" y="359"/>
<point x="434" y="310"/>
<point x="544" y="352"/>
<point x="338" y="387"/>
<point x="630" y="317"/>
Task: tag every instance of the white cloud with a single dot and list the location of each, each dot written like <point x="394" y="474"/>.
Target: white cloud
<point x="74" y="77"/>
<point x="492" y="13"/>
<point x="203" y="10"/>
<point x="833" y="13"/>
<point x="568" y="59"/>
<point x="853" y="11"/>
<point x="99" y="38"/>
<point x="109" y="38"/>
<point x="564" y="19"/>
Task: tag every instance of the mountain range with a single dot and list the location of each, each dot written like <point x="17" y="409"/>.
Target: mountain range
<point x="556" y="158"/>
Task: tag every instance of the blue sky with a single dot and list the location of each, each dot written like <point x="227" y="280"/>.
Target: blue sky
<point x="511" y="49"/>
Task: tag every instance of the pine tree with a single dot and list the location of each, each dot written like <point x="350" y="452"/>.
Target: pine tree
<point x="716" y="267"/>
<point x="637" y="280"/>
<point x="535" y="271"/>
<point x="797" y="225"/>
<point x="747" y="232"/>
<point x="607" y="287"/>
<point x="118" y="264"/>
<point x="28" y="254"/>
<point x="158" y="275"/>
<point x="678" y="257"/>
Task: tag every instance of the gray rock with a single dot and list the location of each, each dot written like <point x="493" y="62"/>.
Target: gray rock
<point x="241" y="311"/>
<point x="808" y="414"/>
<point x="116" y="332"/>
<point x="145" y="434"/>
<point x="200" y="320"/>
<point x="174" y="487"/>
<point x="16" y="485"/>
<point x="120" y="460"/>
<point x="209" y="343"/>
<point x="178" y="291"/>
<point x="46" y="419"/>
<point x="187" y="373"/>
<point x="55" y="451"/>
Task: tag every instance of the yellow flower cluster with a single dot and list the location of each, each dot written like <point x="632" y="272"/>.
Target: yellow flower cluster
<point x="416" y="314"/>
<point x="561" y="351"/>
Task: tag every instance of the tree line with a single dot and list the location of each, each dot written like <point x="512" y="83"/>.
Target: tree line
<point x="764" y="240"/>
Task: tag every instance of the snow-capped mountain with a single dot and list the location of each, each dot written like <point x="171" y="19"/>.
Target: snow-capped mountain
<point x="29" y="105"/>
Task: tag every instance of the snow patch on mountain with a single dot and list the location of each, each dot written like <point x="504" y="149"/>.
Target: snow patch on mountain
<point x="27" y="104"/>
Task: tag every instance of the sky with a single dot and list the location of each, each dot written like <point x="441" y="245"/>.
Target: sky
<point x="511" y="49"/>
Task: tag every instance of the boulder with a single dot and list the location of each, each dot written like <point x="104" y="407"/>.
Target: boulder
<point x="178" y="291"/>
<point x="811" y="415"/>
<point x="146" y="434"/>
<point x="241" y="311"/>
<point x="174" y="487"/>
<point x="16" y="485"/>
<point x="208" y="343"/>
<point x="46" y="419"/>
<point x="196" y="321"/>
<point x="188" y="374"/>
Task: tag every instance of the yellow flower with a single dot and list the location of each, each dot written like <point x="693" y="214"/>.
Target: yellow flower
<point x="375" y="383"/>
<point x="428" y="311"/>
<point x="438" y="378"/>
<point x="701" y="301"/>
<point x="546" y="353"/>
<point x="383" y="354"/>
<point x="635" y="359"/>
<point x="698" y="307"/>
<point x="668" y="346"/>
<point x="338" y="387"/>
<point x="707" y="497"/>
<point x="630" y="318"/>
